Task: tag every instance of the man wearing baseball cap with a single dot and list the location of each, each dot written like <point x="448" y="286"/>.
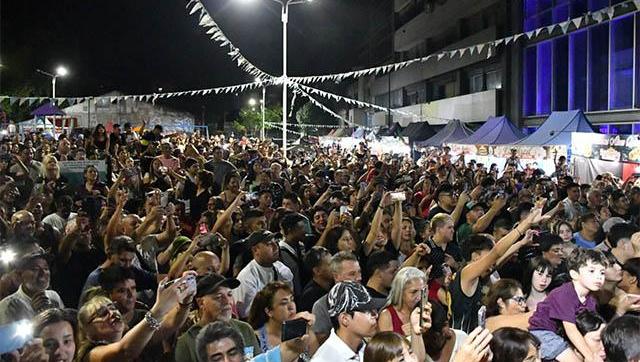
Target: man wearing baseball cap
<point x="262" y="270"/>
<point x="214" y="299"/>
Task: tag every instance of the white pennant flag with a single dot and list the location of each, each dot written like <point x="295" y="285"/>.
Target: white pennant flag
<point x="508" y="40"/>
<point x="551" y="28"/>
<point x="498" y="42"/>
<point x="195" y="8"/>
<point x="611" y="12"/>
<point x="637" y="4"/>
<point x="480" y="48"/>
<point x="597" y="16"/>
<point x="577" y="22"/>
<point x="529" y="34"/>
<point x="489" y="52"/>
<point x="440" y="56"/>
<point x="539" y="31"/>
<point x="206" y="19"/>
<point x="516" y="37"/>
<point x="564" y="26"/>
<point x="191" y="2"/>
<point x="23" y="100"/>
<point x="32" y="101"/>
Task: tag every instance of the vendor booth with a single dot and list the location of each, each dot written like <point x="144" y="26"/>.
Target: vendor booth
<point x="451" y="133"/>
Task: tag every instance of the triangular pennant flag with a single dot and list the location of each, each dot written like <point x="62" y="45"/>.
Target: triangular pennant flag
<point x="517" y="36"/>
<point x="489" y="52"/>
<point x="508" y="40"/>
<point x="611" y="11"/>
<point x="597" y="16"/>
<point x="480" y="47"/>
<point x="551" y="28"/>
<point x="539" y="31"/>
<point x="637" y="4"/>
<point x="195" y="8"/>
<point x="206" y="19"/>
<point x="23" y="100"/>
<point x="564" y="26"/>
<point x="529" y="34"/>
<point x="440" y="56"/>
<point x="191" y="2"/>
<point x="13" y="100"/>
<point x="498" y="42"/>
<point x="577" y="22"/>
<point x="32" y="101"/>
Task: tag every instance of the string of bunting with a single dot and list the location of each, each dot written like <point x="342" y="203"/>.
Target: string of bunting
<point x="361" y="104"/>
<point x="218" y="36"/>
<point x="137" y="97"/>
<point x="318" y="104"/>
<point x="589" y="19"/>
<point x="277" y="126"/>
<point x="305" y="125"/>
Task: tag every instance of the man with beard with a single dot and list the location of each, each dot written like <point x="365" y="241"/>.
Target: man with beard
<point x="214" y="299"/>
<point x="32" y="295"/>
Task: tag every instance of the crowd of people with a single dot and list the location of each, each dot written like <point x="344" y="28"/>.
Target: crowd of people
<point x="193" y="249"/>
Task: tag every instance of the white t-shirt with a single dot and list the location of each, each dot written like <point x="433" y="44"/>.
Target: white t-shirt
<point x="253" y="278"/>
<point x="57" y="221"/>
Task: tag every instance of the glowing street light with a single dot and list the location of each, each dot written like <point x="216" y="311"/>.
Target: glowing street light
<point x="61" y="71"/>
<point x="285" y="19"/>
<point x="252" y="102"/>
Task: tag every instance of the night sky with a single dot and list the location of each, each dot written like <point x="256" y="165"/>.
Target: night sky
<point x="137" y="46"/>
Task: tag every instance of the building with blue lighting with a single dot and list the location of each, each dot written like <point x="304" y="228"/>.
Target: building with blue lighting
<point x="595" y="68"/>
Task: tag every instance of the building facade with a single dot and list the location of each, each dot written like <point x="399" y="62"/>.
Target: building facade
<point x="594" y="69"/>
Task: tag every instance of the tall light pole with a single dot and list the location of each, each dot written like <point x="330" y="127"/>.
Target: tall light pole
<point x="284" y="17"/>
<point x="262" y="105"/>
<point x="60" y="72"/>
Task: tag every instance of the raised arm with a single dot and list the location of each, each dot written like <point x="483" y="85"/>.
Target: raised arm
<point x="483" y="223"/>
<point x="375" y="223"/>
<point x="136" y="339"/>
<point x="457" y="212"/>
<point x="114" y="222"/>
<point x="396" y="226"/>
<point x="471" y="273"/>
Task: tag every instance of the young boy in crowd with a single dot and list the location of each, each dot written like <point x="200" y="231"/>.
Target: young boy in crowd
<point x="558" y="311"/>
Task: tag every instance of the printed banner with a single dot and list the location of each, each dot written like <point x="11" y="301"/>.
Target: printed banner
<point x="74" y="170"/>
<point x="621" y="148"/>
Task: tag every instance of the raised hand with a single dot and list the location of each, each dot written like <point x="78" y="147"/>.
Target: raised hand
<point x="475" y="347"/>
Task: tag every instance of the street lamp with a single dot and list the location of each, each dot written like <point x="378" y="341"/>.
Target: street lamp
<point x="60" y="72"/>
<point x="285" y="82"/>
<point x="262" y="105"/>
<point x="252" y="102"/>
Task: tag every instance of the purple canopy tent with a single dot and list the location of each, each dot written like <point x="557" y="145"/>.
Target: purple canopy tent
<point x="47" y="109"/>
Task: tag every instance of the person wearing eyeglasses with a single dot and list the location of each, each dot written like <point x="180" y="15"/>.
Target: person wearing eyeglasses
<point x="102" y="326"/>
<point x="506" y="306"/>
<point x="354" y="317"/>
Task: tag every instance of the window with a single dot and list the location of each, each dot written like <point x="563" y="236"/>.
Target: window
<point x="578" y="70"/>
<point x="621" y="68"/>
<point x="476" y="83"/>
<point x="494" y="80"/>
<point x="529" y="81"/>
<point x="560" y="71"/>
<point x="598" y="67"/>
<point x="544" y="73"/>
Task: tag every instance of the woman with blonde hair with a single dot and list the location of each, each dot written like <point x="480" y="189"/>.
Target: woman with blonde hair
<point x="403" y="298"/>
<point x="101" y="326"/>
